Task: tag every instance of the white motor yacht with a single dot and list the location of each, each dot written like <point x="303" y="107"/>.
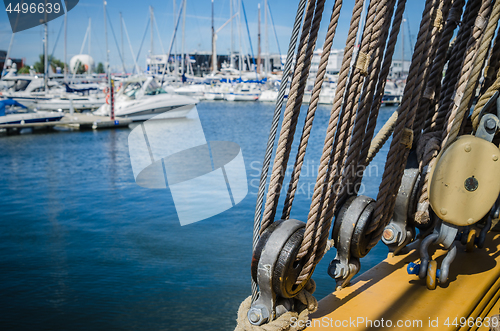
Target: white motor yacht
<point x="142" y="98"/>
<point x="30" y="91"/>
<point x="192" y="90"/>
<point x="243" y="92"/>
<point x="12" y="112"/>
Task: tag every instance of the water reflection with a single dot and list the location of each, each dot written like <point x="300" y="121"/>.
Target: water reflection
<point x="84" y="247"/>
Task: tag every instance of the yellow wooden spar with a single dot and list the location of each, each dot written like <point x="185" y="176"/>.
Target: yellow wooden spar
<point x="387" y="297"/>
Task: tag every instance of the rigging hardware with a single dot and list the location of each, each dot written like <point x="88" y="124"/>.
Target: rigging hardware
<point x="275" y="270"/>
<point x="349" y="235"/>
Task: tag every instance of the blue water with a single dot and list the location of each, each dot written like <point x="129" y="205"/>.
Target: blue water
<point x="83" y="247"/>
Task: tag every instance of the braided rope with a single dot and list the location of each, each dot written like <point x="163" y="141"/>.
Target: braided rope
<point x="485" y="43"/>
<point x="377" y="45"/>
<point x="343" y="136"/>
<point x="288" y="124"/>
<point x="470" y="71"/>
<point x="370" y="148"/>
<point x="429" y="97"/>
<point x="483" y="100"/>
<point x="274" y="129"/>
<point x="367" y="55"/>
<point x="320" y="236"/>
<point x="433" y="40"/>
<point x="468" y="80"/>
<point x="311" y="226"/>
<point x="385" y="191"/>
<point x="491" y="71"/>
<point x="378" y="42"/>
<point x="311" y="111"/>
<point x="381" y="137"/>
<point x="436" y="122"/>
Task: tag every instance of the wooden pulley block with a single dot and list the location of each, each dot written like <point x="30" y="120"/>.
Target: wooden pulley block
<point x="465" y="182"/>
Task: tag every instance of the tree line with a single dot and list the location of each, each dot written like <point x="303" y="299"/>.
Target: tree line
<point x="54" y="63"/>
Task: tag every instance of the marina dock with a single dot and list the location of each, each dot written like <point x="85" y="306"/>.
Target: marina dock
<point x="76" y="121"/>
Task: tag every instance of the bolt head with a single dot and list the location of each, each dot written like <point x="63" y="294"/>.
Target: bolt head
<point x="495" y="157"/>
<point x="258" y="315"/>
<point x="254" y="316"/>
<point x="467" y="148"/>
<point x="443" y="211"/>
<point x="490" y="124"/>
<point x="388" y="234"/>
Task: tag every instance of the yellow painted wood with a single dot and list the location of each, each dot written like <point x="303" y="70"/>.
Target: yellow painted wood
<point x="387" y="292"/>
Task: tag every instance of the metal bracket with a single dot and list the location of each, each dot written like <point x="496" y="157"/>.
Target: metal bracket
<point x="398" y="233"/>
<point x="444" y="234"/>
<point x="494" y="100"/>
<point x="283" y="237"/>
<point x="488" y="127"/>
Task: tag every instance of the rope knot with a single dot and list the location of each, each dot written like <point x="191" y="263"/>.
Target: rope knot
<point x="362" y="63"/>
<point x="437" y="20"/>
<point x="429" y="93"/>
<point x="407" y="138"/>
<point x="454" y="15"/>
<point x="480" y="22"/>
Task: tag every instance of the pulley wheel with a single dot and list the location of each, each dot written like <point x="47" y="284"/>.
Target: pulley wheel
<point x="287" y="269"/>
<point x="360" y="239"/>
<point x="359" y="210"/>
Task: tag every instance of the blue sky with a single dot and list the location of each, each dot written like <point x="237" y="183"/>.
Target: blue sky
<point x="28" y="44"/>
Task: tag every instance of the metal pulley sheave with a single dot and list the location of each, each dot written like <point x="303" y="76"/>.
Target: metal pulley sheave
<point x="465" y="182"/>
<point x="464" y="185"/>
<point x="352" y="222"/>
<point x="351" y="241"/>
<point x="275" y="270"/>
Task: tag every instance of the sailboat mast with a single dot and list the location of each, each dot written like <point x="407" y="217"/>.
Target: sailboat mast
<point x="107" y="49"/>
<point x="240" y="62"/>
<point x="214" y="56"/>
<point x="266" y="63"/>
<point x="231" y="60"/>
<point x="175" y="43"/>
<point x="90" y="34"/>
<point x="183" y="62"/>
<point x="65" y="47"/>
<point x="121" y="35"/>
<point x="259" y="50"/>
<point x="151" y="50"/>
<point x="46" y="56"/>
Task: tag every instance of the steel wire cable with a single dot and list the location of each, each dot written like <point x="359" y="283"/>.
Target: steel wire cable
<point x="274" y="128"/>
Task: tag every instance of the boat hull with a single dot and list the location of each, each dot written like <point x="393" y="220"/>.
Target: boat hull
<point x="241" y="97"/>
<point x="40" y="117"/>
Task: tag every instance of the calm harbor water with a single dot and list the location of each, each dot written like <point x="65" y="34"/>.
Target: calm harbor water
<point x="83" y="247"/>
